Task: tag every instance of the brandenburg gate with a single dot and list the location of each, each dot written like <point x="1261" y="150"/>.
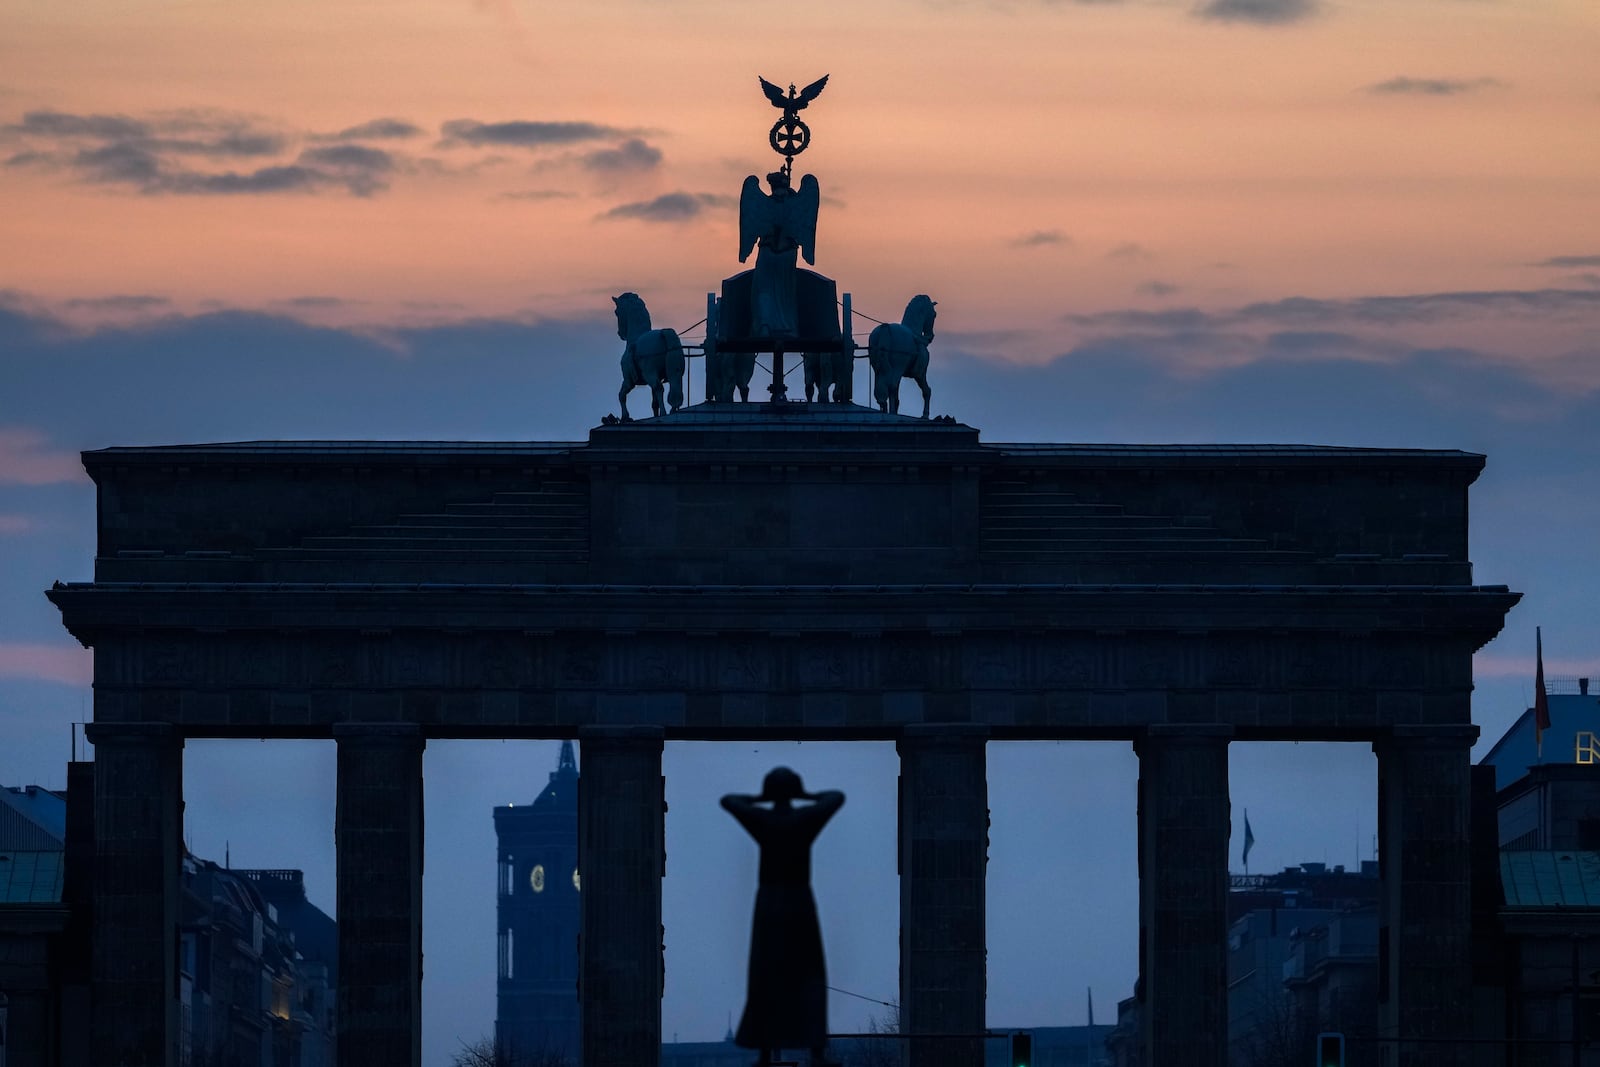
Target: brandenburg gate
<point x="782" y="570"/>
<point x="829" y="573"/>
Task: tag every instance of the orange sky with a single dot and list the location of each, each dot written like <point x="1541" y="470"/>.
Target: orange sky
<point x="1403" y="190"/>
<point x="1229" y="162"/>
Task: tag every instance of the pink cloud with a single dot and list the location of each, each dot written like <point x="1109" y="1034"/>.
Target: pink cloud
<point x="67" y="664"/>
<point x="17" y="524"/>
<point x="1500" y="665"/>
<point x="26" y="459"/>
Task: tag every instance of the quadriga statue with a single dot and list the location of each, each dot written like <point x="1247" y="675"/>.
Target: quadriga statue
<point x="900" y="350"/>
<point x="651" y="357"/>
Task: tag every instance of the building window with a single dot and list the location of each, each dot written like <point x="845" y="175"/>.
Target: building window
<point x="507" y="954"/>
<point x="506" y="868"/>
<point x="1587" y="748"/>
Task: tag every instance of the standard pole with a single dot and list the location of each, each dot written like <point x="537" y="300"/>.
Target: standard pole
<point x="850" y="345"/>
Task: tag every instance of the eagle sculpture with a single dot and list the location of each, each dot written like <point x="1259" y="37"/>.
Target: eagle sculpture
<point x="792" y="103"/>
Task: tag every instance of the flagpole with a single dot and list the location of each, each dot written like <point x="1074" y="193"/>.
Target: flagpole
<point x="1541" y="700"/>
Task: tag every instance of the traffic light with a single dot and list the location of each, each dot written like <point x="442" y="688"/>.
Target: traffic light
<point x="1330" y="1050"/>
<point x="1021" y="1049"/>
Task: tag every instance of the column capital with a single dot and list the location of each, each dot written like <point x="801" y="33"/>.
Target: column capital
<point x="932" y="733"/>
<point x="1453" y="735"/>
<point x="133" y="733"/>
<point x="1184" y="733"/>
<point x="378" y="733"/>
<point x="642" y="735"/>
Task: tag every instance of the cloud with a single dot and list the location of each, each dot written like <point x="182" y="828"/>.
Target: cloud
<point x="1261" y="12"/>
<point x="375" y="130"/>
<point x="1568" y="262"/>
<point x="119" y="302"/>
<point x="1131" y="250"/>
<point x="1041" y="239"/>
<point x="1157" y="288"/>
<point x="1403" y="86"/>
<point x="65" y="664"/>
<point x="523" y="134"/>
<point x="669" y="207"/>
<point x="361" y="169"/>
<point x="17" y="524"/>
<point x="166" y="153"/>
<point x="27" y="459"/>
<point x="62" y="124"/>
<point x="1427" y="307"/>
<point x="537" y="194"/>
<point x="282" y="179"/>
<point x="631" y="155"/>
<point x="1302" y="312"/>
<point x="1521" y="666"/>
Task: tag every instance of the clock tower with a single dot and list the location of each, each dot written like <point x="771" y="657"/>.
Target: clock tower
<point x="536" y="1003"/>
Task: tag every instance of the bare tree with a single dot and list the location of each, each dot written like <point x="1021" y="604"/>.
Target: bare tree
<point x="1283" y="1035"/>
<point x="485" y="1053"/>
<point x="880" y="1051"/>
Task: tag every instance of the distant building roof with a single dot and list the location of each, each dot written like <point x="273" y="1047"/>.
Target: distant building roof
<point x="1566" y="879"/>
<point x="31" y="876"/>
<point x="32" y="818"/>
<point x="1573" y="737"/>
<point x="560" y="796"/>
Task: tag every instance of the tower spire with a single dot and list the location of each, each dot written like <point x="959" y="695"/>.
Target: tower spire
<point x="567" y="766"/>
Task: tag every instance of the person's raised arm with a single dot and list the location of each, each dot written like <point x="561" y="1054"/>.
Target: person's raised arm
<point x="826" y="802"/>
<point x="742" y="806"/>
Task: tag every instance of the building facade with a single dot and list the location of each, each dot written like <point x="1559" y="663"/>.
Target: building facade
<point x="540" y="916"/>
<point x="248" y="995"/>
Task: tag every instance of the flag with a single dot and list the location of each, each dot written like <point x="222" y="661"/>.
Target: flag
<point x="1249" y="839"/>
<point x="1091" y="1005"/>
<point x="1541" y="700"/>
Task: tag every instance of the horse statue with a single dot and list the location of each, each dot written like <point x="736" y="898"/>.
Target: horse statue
<point x="830" y="369"/>
<point x="725" y="371"/>
<point x="900" y="350"/>
<point x="652" y="357"/>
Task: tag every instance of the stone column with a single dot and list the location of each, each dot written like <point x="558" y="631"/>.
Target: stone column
<point x="1425" y="910"/>
<point x="1183" y="893"/>
<point x="944" y="856"/>
<point x="138" y="858"/>
<point x="378" y="844"/>
<point x="621" y="858"/>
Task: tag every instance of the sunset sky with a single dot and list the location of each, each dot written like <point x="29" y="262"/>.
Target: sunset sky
<point x="1374" y="222"/>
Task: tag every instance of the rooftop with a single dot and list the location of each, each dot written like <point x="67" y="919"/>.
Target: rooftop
<point x="31" y="877"/>
<point x="1566" y="879"/>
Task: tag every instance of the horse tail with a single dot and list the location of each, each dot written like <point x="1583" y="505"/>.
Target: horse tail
<point x="675" y="368"/>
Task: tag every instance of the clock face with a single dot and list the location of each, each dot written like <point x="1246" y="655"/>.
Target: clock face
<point x="575" y="883"/>
<point x="536" y="878"/>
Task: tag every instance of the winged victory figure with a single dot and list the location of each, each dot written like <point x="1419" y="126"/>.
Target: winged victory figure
<point x="779" y="225"/>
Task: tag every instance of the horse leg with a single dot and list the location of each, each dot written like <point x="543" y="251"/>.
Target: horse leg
<point x="927" y="395"/>
<point x="744" y="393"/>
<point x="657" y="407"/>
<point x="622" y="400"/>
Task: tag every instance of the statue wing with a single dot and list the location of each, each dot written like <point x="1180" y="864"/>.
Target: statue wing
<point x="809" y="93"/>
<point x="774" y="93"/>
<point x="755" y="211"/>
<point x="803" y="216"/>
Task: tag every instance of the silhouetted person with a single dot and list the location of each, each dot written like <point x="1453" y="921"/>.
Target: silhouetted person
<point x="786" y="1005"/>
